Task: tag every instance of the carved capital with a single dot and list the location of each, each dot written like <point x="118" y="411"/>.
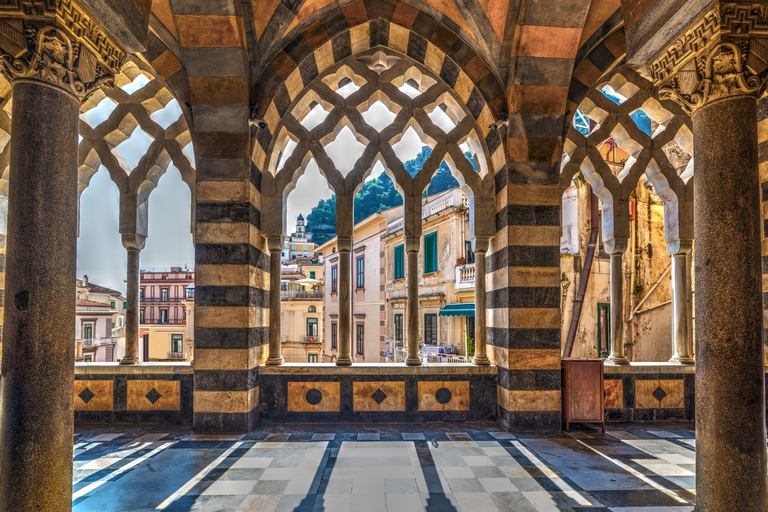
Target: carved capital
<point x="61" y="46"/>
<point x="723" y="53"/>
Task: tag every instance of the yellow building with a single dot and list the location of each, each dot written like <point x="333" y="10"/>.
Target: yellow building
<point x="301" y="319"/>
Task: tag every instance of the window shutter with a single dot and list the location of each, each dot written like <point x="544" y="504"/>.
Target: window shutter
<point x="399" y="271"/>
<point x="430" y="253"/>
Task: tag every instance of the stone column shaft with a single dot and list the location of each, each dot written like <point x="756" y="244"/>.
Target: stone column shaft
<point x="132" y="308"/>
<point x="730" y="373"/>
<point x="345" y="305"/>
<point x="682" y="338"/>
<point x="481" y="356"/>
<point x="412" y="250"/>
<point x="36" y="429"/>
<point x="617" y="310"/>
<point x="275" y="273"/>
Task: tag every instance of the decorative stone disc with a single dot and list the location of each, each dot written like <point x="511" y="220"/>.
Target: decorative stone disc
<point x="443" y="396"/>
<point x="314" y="396"/>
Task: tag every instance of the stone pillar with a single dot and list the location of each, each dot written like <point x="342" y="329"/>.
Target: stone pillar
<point x="682" y="339"/>
<point x="481" y="356"/>
<point x="412" y="245"/>
<point x="730" y="373"/>
<point x="345" y="306"/>
<point x="49" y="82"/>
<point x="132" y="308"/>
<point x="617" y="303"/>
<point x="275" y="348"/>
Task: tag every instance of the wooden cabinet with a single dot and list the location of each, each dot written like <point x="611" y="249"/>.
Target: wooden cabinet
<point x="583" y="393"/>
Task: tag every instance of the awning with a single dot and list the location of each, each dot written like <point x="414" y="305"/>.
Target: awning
<point x="465" y="309"/>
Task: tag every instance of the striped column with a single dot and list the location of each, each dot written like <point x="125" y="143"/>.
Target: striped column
<point x="524" y="258"/>
<point x="762" y="155"/>
<point x="232" y="267"/>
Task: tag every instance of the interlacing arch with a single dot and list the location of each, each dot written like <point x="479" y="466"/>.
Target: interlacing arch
<point x="379" y="84"/>
<point x="613" y="182"/>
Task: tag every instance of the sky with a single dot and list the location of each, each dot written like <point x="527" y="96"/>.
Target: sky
<point x="100" y="253"/>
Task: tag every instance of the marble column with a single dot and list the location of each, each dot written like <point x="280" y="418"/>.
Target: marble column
<point x="730" y="373"/>
<point x="682" y="339"/>
<point x="275" y="244"/>
<point x="617" y="248"/>
<point x="345" y="306"/>
<point x="39" y="340"/>
<point x="132" y="308"/>
<point x="412" y="245"/>
<point x="481" y="356"/>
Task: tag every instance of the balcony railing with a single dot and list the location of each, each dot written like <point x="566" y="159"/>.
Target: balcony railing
<point x="402" y="352"/>
<point x="157" y="321"/>
<point x="314" y="340"/>
<point x="160" y="299"/>
<point x="95" y="342"/>
<point x="296" y="295"/>
<point x="177" y="355"/>
<point x="465" y="276"/>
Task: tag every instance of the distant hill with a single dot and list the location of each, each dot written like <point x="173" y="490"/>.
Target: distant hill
<point x="377" y="195"/>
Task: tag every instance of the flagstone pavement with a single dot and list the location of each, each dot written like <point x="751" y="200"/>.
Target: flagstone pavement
<point x="386" y="468"/>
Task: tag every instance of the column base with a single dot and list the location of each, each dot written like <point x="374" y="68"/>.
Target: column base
<point x="681" y="360"/>
<point x="275" y="361"/>
<point x="413" y="361"/>
<point x="129" y="360"/>
<point x="344" y="361"/>
<point x="481" y="361"/>
<point x="617" y="360"/>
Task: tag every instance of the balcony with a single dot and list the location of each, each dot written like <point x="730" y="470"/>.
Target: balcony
<point x="159" y="299"/>
<point x="297" y="295"/>
<point x="314" y="340"/>
<point x="97" y="342"/>
<point x="157" y="321"/>
<point x="465" y="276"/>
<point x="177" y="356"/>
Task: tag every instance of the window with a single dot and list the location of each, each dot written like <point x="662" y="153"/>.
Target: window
<point x="430" y="329"/>
<point x="164" y="294"/>
<point x="603" y="329"/>
<point x="163" y="316"/>
<point x="360" y="340"/>
<point x="87" y="331"/>
<point x="399" y="263"/>
<point x="470" y="256"/>
<point x="430" y="253"/>
<point x="312" y="328"/>
<point x="141" y="316"/>
<point x="141" y="294"/>
<point x="311" y="274"/>
<point x="334" y="279"/>
<point x="360" y="272"/>
<point x="125" y="304"/>
<point x="334" y="336"/>
<point x="398" y="327"/>
<point x="312" y="309"/>
<point x="311" y="358"/>
<point x="177" y="343"/>
<point x="112" y="304"/>
<point x="305" y="248"/>
<point x="87" y="359"/>
<point x="165" y="278"/>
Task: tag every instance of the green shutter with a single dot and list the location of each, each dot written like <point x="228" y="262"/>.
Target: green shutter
<point x="430" y="253"/>
<point x="399" y="267"/>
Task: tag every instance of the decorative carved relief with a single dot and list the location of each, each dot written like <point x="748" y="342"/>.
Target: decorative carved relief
<point x="59" y="61"/>
<point x="724" y="53"/>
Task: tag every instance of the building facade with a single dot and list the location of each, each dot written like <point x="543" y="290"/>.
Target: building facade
<point x="162" y="314"/>
<point x="299" y="244"/>
<point x="446" y="280"/>
<point x="301" y="317"/>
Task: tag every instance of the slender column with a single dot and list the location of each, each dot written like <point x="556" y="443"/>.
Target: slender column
<point x="412" y="250"/>
<point x="345" y="327"/>
<point x="275" y="243"/>
<point x="617" y="304"/>
<point x="730" y="374"/>
<point x="38" y="350"/>
<point x="132" y="308"/>
<point x="481" y="356"/>
<point x="681" y="304"/>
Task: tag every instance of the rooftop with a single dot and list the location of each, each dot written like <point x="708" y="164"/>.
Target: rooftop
<point x="91" y="304"/>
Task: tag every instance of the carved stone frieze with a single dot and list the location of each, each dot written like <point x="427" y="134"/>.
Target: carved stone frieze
<point x="723" y="53"/>
<point x="62" y="45"/>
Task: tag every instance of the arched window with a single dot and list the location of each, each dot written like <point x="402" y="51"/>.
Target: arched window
<point x="312" y="309"/>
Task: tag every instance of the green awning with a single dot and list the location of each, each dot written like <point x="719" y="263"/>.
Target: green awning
<point x="466" y="309"/>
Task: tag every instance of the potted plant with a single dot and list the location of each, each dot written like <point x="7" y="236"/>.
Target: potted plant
<point x="461" y="261"/>
<point x="470" y="345"/>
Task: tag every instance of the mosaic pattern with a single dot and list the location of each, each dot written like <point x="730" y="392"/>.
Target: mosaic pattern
<point x="94" y="395"/>
<point x="649" y="397"/>
<point x="480" y="468"/>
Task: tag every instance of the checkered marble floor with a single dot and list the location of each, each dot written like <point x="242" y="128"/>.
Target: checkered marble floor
<point x="387" y="468"/>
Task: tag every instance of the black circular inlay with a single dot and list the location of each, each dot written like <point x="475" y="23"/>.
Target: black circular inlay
<point x="314" y="396"/>
<point x="443" y="396"/>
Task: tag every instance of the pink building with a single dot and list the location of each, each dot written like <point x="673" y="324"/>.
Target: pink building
<point x="162" y="294"/>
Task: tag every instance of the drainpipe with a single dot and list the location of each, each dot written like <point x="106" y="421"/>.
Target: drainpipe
<point x="578" y="300"/>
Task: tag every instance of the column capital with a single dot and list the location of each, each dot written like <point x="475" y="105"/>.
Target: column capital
<point x="482" y="243"/>
<point x="412" y="243"/>
<point x="615" y="246"/>
<point x="62" y="46"/>
<point x="723" y="53"/>
<point x="275" y="242"/>
<point x="679" y="247"/>
<point x="344" y="243"/>
<point x="133" y="241"/>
